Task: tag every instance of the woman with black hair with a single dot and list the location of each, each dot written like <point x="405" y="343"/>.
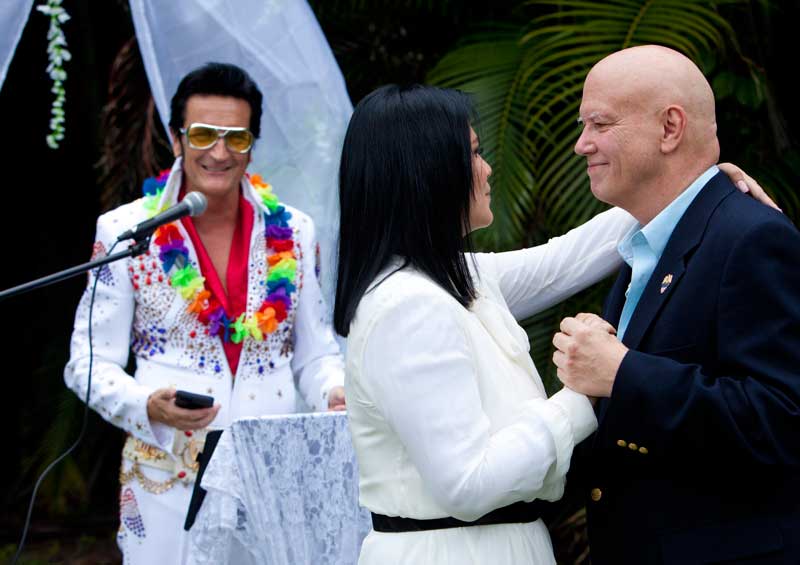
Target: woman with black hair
<point x="456" y="440"/>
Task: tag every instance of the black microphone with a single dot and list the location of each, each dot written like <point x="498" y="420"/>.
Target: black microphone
<point x="193" y="204"/>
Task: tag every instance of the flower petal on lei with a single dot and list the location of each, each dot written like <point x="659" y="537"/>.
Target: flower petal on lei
<point x="167" y="234"/>
<point x="284" y="269"/>
<point x="279" y="232"/>
<point x="266" y="320"/>
<point x="193" y="287"/>
<point x="273" y="286"/>
<point x="173" y="257"/>
<point x="239" y="329"/>
<point x="216" y="320"/>
<point x="276" y="258"/>
<point x="200" y="302"/>
<point x="251" y="325"/>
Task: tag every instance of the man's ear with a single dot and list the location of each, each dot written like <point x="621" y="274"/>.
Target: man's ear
<point x="177" y="146"/>
<point x="673" y="123"/>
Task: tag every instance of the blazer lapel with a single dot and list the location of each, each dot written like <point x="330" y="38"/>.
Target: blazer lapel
<point x="665" y="278"/>
<point x="668" y="272"/>
<point x="672" y="265"/>
<point x="612" y="310"/>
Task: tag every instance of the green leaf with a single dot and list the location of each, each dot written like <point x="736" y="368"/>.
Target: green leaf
<point x="723" y="84"/>
<point x="747" y="92"/>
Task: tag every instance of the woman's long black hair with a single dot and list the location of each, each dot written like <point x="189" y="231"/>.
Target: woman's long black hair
<point x="405" y="188"/>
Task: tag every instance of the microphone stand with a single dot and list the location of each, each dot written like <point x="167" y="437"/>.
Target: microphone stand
<point x="137" y="248"/>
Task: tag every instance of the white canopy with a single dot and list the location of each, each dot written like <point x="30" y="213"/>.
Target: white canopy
<point x="13" y="17"/>
<point x="280" y="44"/>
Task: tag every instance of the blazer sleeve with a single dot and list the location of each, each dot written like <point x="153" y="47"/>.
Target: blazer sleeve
<point x="317" y="362"/>
<point x="751" y="412"/>
<point x="421" y="374"/>
<point x="115" y="394"/>
<point x="533" y="279"/>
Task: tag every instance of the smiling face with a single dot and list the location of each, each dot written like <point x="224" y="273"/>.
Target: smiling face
<point x="620" y="139"/>
<point x="216" y="172"/>
<point x="480" y="213"/>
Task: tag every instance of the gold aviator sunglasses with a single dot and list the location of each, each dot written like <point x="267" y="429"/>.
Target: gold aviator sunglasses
<point x="205" y="136"/>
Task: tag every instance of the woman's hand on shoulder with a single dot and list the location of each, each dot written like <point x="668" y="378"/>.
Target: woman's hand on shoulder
<point x="747" y="184"/>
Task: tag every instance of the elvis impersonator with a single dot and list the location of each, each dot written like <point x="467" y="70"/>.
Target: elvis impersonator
<point x="227" y="304"/>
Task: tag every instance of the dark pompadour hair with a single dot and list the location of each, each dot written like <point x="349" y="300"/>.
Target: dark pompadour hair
<point x="405" y="187"/>
<point x="217" y="79"/>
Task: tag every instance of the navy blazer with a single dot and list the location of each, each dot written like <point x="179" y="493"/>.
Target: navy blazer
<point x="697" y="455"/>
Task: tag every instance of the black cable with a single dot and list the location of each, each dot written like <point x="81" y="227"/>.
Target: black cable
<point x="83" y="425"/>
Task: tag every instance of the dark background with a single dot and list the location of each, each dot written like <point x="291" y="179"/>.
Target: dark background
<point x="52" y="197"/>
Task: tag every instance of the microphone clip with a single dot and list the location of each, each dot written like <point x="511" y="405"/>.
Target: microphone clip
<point x="140" y="244"/>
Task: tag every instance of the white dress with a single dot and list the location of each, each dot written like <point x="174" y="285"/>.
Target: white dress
<point x="447" y="412"/>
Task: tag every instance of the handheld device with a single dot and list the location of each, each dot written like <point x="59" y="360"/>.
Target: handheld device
<point x="192" y="401"/>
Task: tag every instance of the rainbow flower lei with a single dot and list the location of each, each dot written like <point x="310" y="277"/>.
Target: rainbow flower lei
<point x="188" y="282"/>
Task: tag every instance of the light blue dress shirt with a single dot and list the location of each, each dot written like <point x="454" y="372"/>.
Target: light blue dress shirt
<point x="643" y="246"/>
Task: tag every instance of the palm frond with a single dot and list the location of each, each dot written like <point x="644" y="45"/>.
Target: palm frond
<point x="135" y="145"/>
<point x="489" y="66"/>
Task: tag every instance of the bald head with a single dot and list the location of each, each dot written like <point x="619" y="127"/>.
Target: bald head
<point x="652" y="77"/>
<point x="650" y="128"/>
<point x="658" y="76"/>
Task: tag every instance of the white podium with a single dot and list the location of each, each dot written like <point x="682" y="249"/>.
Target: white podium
<point x="281" y="491"/>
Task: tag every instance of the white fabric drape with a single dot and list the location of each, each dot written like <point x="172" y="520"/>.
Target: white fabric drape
<point x="284" y="491"/>
<point x="13" y="17"/>
<point x="306" y="106"/>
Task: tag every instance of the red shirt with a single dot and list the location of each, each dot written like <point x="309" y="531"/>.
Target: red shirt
<point x="235" y="301"/>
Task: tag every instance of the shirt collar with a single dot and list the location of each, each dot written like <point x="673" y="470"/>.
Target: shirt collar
<point x="657" y="232"/>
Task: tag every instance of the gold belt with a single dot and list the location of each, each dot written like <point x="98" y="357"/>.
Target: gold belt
<point x="181" y="463"/>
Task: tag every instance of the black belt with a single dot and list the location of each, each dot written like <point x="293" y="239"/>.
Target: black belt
<point x="517" y="513"/>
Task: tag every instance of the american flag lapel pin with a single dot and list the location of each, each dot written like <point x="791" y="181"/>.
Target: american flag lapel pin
<point x="666" y="282"/>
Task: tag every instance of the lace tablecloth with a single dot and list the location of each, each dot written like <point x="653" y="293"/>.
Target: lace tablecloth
<point x="281" y="490"/>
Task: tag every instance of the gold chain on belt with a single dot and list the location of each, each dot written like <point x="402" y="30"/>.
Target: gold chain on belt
<point x="151" y="486"/>
<point x="183" y="467"/>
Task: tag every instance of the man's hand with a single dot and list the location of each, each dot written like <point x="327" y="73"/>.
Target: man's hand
<point x="161" y="408"/>
<point x="595" y="321"/>
<point x="336" y="399"/>
<point x="588" y="355"/>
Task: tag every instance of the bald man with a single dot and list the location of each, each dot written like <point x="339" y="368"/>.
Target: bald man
<point x="696" y="366"/>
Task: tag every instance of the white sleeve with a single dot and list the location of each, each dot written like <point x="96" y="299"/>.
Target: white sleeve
<point x="419" y="366"/>
<point x="115" y="395"/>
<point x="533" y="279"/>
<point x="317" y="362"/>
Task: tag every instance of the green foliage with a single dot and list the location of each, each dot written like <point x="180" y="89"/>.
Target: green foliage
<point x="65" y="481"/>
<point x="57" y="54"/>
<point x="324" y="8"/>
<point x="491" y="66"/>
<point x="396" y="41"/>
